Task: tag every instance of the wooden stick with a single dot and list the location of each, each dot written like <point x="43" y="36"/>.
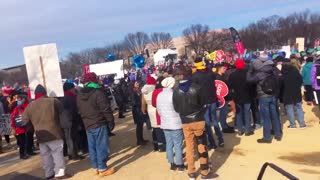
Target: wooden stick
<point x="43" y="75"/>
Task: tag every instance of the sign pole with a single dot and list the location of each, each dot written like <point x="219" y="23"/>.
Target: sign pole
<point x="42" y="72"/>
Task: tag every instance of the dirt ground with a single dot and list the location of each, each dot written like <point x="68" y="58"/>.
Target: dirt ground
<point x="241" y="158"/>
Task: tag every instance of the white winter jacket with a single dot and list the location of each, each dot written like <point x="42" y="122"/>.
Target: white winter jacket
<point x="170" y="119"/>
<point x="147" y="94"/>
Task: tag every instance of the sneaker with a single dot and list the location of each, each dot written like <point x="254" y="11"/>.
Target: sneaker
<point x="249" y="133"/>
<point x="221" y="144"/>
<point x="228" y="130"/>
<point x="278" y="138"/>
<point x="262" y="140"/>
<point x="209" y="147"/>
<point x="180" y="168"/>
<point x="107" y="172"/>
<point x="292" y="127"/>
<point x="24" y="157"/>
<point x="192" y="176"/>
<point x="303" y="127"/>
<point x="240" y="133"/>
<point x="111" y="134"/>
<point x="173" y="167"/>
<point x="210" y="176"/>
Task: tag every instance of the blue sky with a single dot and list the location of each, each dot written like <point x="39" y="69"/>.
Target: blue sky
<point x="75" y="25"/>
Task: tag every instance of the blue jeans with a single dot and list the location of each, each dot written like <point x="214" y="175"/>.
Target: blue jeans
<point x="98" y="143"/>
<point x="300" y="114"/>
<point x="243" y="117"/>
<point x="223" y="116"/>
<point x="174" y="139"/>
<point x="270" y="116"/>
<point x="211" y="118"/>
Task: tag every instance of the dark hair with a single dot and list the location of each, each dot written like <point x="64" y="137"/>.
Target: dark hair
<point x="309" y="59"/>
<point x="159" y="80"/>
<point x="185" y="71"/>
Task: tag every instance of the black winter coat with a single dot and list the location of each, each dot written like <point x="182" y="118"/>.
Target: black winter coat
<point x="242" y="92"/>
<point x="205" y="80"/>
<point x="138" y="116"/>
<point x="189" y="102"/>
<point x="69" y="113"/>
<point x="291" y="87"/>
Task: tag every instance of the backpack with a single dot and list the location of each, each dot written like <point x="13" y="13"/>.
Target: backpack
<point x="318" y="75"/>
<point x="271" y="84"/>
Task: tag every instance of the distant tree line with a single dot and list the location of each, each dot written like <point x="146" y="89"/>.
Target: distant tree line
<point x="267" y="33"/>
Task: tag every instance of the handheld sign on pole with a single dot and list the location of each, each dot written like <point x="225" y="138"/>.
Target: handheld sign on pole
<point x="43" y="68"/>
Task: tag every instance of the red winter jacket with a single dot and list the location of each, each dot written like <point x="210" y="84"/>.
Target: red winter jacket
<point x="18" y="110"/>
<point x="155" y="94"/>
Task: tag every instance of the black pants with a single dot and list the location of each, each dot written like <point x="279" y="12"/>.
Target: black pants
<point x="139" y="132"/>
<point x="308" y="93"/>
<point x="82" y="141"/>
<point x="255" y="112"/>
<point x="29" y="142"/>
<point x="21" y="142"/>
<point x="70" y="136"/>
<point x="121" y="109"/>
<point x="159" y="141"/>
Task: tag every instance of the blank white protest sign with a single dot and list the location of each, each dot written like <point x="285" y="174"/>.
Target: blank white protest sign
<point x="43" y="68"/>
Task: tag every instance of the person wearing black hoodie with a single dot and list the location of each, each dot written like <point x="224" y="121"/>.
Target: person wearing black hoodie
<point x="190" y="103"/>
<point x="205" y="78"/>
<point x="95" y="110"/>
<point x="241" y="94"/>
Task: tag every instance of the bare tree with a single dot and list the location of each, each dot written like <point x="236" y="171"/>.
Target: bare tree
<point x="161" y="40"/>
<point x="136" y="42"/>
<point x="196" y="36"/>
<point x="218" y="40"/>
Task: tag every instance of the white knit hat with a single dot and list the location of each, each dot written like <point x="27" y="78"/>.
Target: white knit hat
<point x="168" y="82"/>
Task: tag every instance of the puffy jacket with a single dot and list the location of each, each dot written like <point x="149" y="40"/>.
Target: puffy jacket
<point x="306" y="73"/>
<point x="240" y="88"/>
<point x="170" y="119"/>
<point x="147" y="96"/>
<point x="258" y="71"/>
<point x="69" y="114"/>
<point x="314" y="83"/>
<point x="206" y="81"/>
<point x="189" y="102"/>
<point x="94" y="107"/>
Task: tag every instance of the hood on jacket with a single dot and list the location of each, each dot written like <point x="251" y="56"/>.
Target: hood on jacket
<point x="86" y="92"/>
<point x="148" y="88"/>
<point x="184" y="85"/>
<point x="259" y="64"/>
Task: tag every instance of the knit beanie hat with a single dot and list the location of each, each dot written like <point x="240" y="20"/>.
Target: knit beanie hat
<point x="150" y="80"/>
<point x="90" y="77"/>
<point x="67" y="86"/>
<point x="40" y="90"/>
<point x="168" y="82"/>
<point x="309" y="59"/>
<point x="7" y="90"/>
<point x="198" y="63"/>
<point x="239" y="64"/>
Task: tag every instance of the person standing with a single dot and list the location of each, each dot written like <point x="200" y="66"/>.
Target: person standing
<point x="95" y="110"/>
<point x="137" y="114"/>
<point x="315" y="77"/>
<point x="19" y="128"/>
<point x="240" y="89"/>
<point x="150" y="111"/>
<point x="206" y="80"/>
<point x="291" y="95"/>
<point x="189" y="101"/>
<point x="261" y="72"/>
<point x="306" y="75"/>
<point x="44" y="115"/>
<point x="171" y="125"/>
<point x="69" y="120"/>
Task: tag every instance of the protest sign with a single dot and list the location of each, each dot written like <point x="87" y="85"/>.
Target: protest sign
<point x="43" y="68"/>
<point x="222" y="91"/>
<point x="5" y="127"/>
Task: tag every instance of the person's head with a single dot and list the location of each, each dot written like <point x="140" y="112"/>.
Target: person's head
<point x="198" y="63"/>
<point x="309" y="59"/>
<point x="159" y="81"/>
<point x="221" y="69"/>
<point x="68" y="86"/>
<point x="22" y="98"/>
<point x="239" y="63"/>
<point x="40" y="91"/>
<point x="90" y="77"/>
<point x="136" y="85"/>
<point x="184" y="72"/>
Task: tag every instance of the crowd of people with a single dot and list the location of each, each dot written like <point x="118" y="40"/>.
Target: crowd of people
<point x="179" y="105"/>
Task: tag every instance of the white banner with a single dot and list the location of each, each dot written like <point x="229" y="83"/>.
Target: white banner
<point x="43" y="68"/>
